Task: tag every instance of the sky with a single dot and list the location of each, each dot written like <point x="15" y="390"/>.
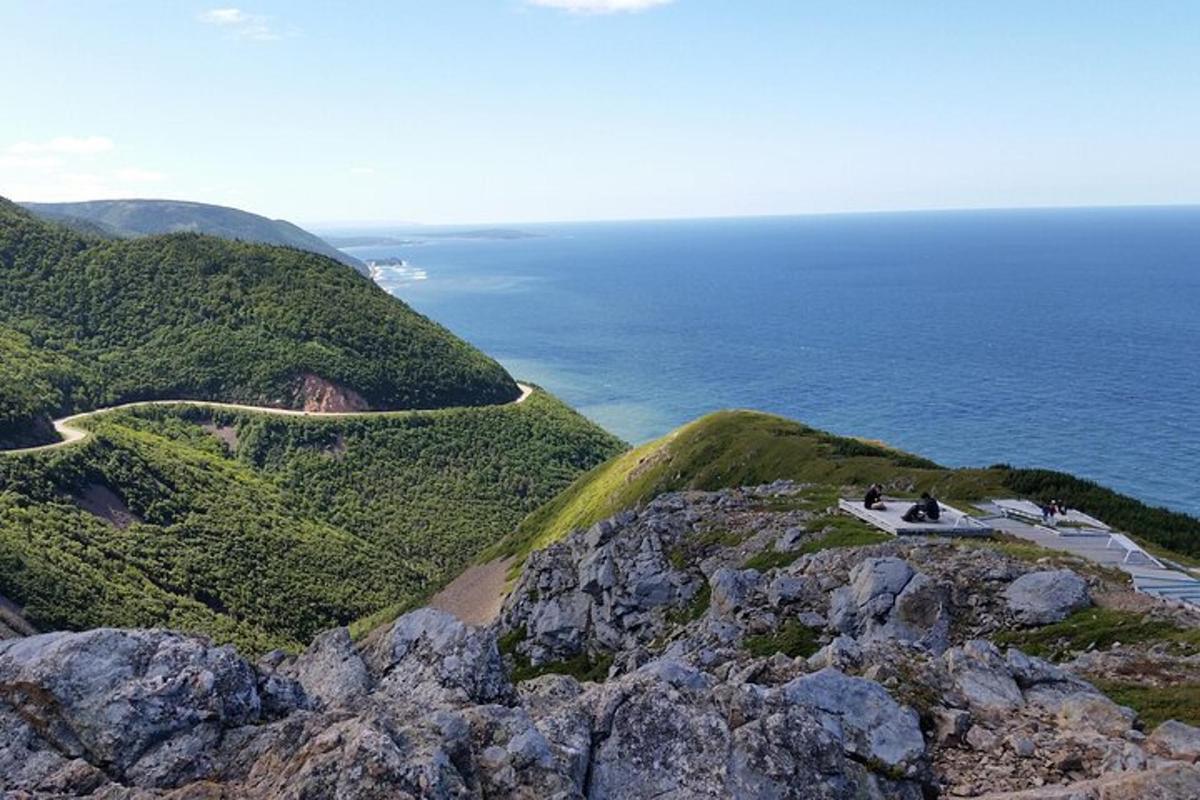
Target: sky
<point x="456" y="111"/>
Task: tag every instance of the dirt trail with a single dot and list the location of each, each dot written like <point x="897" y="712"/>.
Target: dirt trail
<point x="476" y="595"/>
<point x="68" y="427"/>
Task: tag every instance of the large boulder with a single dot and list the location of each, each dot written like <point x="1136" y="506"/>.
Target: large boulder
<point x="331" y="670"/>
<point x="732" y="588"/>
<point x="1092" y="712"/>
<point x="1042" y="598"/>
<point x="660" y="738"/>
<point x="430" y="659"/>
<point x="876" y="582"/>
<point x="1175" y="740"/>
<point x="146" y="703"/>
<point x="983" y="678"/>
<point x="862" y="715"/>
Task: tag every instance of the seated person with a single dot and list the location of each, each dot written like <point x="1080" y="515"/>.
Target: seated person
<point x="933" y="511"/>
<point x="924" y="509"/>
<point x="874" y="498"/>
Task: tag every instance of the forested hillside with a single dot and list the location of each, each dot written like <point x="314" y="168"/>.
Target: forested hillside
<point x="132" y="218"/>
<point x="86" y="322"/>
<point x="263" y="530"/>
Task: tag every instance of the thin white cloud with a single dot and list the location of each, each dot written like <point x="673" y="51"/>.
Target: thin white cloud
<point x="224" y="16"/>
<point x="600" y="6"/>
<point x="241" y="24"/>
<point x="362" y="170"/>
<point x="66" y="145"/>
<point x="68" y="168"/>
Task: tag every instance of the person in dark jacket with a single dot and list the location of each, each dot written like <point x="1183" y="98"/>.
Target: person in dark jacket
<point x="874" y="498"/>
<point x="924" y="509"/>
<point x="933" y="511"/>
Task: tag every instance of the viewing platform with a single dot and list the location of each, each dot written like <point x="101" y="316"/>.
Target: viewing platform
<point x="952" y="522"/>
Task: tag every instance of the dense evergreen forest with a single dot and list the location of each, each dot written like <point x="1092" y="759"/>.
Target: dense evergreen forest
<point x="88" y="322"/>
<point x="263" y="530"/>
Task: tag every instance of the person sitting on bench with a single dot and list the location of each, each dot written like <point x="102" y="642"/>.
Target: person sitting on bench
<point x="924" y="509"/>
<point x="874" y="498"/>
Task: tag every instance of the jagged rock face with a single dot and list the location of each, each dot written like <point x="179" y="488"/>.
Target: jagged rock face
<point x="876" y="680"/>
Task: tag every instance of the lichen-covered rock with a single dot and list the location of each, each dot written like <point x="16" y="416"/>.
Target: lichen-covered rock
<point x="1041" y="598"/>
<point x="1175" y="740"/>
<point x="731" y="589"/>
<point x="715" y="681"/>
<point x="859" y="712"/>
<point x="331" y="670"/>
<point x="982" y="677"/>
<point x="430" y="659"/>
<point x="140" y="702"/>
<point x="1091" y="711"/>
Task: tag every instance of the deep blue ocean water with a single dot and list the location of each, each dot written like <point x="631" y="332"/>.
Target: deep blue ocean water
<point x="1067" y="339"/>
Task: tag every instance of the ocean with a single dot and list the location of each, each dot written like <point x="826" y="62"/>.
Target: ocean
<point x="1066" y="339"/>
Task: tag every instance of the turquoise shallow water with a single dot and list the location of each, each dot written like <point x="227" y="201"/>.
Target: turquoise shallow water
<point x="1058" y="338"/>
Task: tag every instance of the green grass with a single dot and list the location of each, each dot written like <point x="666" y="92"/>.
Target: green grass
<point x="1099" y="628"/>
<point x="771" y="559"/>
<point x="728" y="449"/>
<point x="792" y="639"/>
<point x="1156" y="704"/>
<point x="842" y="531"/>
<point x="581" y="667"/>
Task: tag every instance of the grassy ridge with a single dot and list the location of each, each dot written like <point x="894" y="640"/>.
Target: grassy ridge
<point x="86" y="322"/>
<point x="738" y="448"/>
<point x="310" y="523"/>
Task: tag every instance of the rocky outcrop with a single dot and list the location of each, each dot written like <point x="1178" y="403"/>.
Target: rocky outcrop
<point x="846" y="673"/>
<point x="314" y="393"/>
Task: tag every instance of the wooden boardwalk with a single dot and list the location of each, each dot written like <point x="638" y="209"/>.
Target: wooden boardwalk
<point x="1107" y="547"/>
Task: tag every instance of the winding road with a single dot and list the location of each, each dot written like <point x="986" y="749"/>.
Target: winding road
<point x="68" y="427"/>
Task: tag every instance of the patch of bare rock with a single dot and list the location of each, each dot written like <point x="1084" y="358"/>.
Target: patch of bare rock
<point x="848" y="673"/>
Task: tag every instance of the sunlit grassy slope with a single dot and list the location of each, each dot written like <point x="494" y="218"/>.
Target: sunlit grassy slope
<point x="740" y="448"/>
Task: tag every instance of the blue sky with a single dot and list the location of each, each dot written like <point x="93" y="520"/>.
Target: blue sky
<point x="527" y="110"/>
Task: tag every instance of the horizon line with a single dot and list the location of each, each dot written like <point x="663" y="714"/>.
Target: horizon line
<point x="380" y="223"/>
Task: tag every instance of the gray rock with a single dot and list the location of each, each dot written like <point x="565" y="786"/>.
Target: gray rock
<point x="331" y="670"/>
<point x="658" y="743"/>
<point x="119" y="697"/>
<point x="862" y="715"/>
<point x="1091" y="711"/>
<point x="785" y="589"/>
<point x="788" y="540"/>
<point x="876" y="578"/>
<point x="843" y="610"/>
<point x="1023" y="746"/>
<point x="981" y="675"/>
<point x="1042" y="598"/>
<point x="1175" y="740"/>
<point x="981" y="739"/>
<point x="732" y="588"/>
<point x="430" y="658"/>
<point x="950" y="726"/>
<point x="842" y="653"/>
